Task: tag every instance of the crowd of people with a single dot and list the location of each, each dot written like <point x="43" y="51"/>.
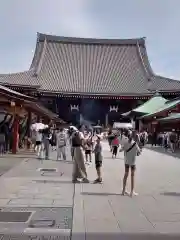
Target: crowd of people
<point x="167" y="140"/>
<point x="83" y="145"/>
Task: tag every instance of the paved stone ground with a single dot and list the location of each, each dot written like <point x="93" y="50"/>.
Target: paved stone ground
<point x="98" y="209"/>
<point x="153" y="213"/>
<point x="47" y="195"/>
<point x="9" y="161"/>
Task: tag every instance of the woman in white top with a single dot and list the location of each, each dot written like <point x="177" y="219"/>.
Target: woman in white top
<point x="131" y="150"/>
<point x="38" y="142"/>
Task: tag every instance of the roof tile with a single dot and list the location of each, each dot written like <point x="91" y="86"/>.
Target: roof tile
<point x="20" y="79"/>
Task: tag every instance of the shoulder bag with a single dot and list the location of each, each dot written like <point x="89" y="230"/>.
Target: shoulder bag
<point x="131" y="147"/>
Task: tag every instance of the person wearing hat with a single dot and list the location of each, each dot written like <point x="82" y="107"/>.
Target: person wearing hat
<point x="79" y="168"/>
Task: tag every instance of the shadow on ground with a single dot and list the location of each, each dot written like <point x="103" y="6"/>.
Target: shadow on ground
<point x="162" y="150"/>
<point x="117" y="158"/>
<point x="171" y="194"/>
<point x="52" y="181"/>
<point x="62" y="161"/>
<point x="100" y="194"/>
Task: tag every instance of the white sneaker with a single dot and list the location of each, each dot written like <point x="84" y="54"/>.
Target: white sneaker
<point x="134" y="194"/>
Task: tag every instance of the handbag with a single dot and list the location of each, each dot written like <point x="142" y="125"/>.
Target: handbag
<point x="131" y="147"/>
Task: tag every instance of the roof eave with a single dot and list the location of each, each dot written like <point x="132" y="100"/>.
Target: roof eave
<point x="95" y="93"/>
<point x="77" y="40"/>
<point x="161" y="111"/>
<point x="20" y="86"/>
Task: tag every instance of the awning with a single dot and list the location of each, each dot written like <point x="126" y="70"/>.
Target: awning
<point x="172" y="117"/>
<point x="30" y="103"/>
<point x="150" y="106"/>
<point x="167" y="106"/>
<point x="38" y="108"/>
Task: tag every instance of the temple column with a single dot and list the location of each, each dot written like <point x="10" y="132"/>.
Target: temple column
<point x="133" y="123"/>
<point x="15" y="135"/>
<point x="29" y="122"/>
<point x="106" y="120"/>
<point x="140" y="125"/>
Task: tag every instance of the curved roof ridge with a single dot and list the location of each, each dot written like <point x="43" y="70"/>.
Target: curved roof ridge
<point x="41" y="58"/>
<point x="78" y="40"/>
<point x="142" y="61"/>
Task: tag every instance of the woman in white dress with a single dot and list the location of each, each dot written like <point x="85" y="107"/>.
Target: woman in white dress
<point x="131" y="150"/>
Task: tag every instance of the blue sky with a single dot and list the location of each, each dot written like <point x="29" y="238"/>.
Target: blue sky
<point x="157" y="20"/>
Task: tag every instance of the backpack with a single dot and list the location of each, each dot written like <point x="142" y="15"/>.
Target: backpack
<point x="76" y="140"/>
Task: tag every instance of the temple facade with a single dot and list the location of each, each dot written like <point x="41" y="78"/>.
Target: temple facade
<point x="90" y="80"/>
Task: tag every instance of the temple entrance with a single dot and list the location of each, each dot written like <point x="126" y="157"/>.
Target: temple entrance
<point x="75" y="118"/>
<point x="91" y="111"/>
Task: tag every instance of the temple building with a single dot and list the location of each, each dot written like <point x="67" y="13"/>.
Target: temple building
<point x="93" y="80"/>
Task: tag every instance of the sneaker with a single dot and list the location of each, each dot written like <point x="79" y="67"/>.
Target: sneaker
<point x="76" y="181"/>
<point x="126" y="193"/>
<point x="97" y="181"/>
<point x="85" y="180"/>
<point x="133" y="194"/>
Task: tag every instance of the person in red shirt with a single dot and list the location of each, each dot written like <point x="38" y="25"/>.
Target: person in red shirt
<point x="115" y="145"/>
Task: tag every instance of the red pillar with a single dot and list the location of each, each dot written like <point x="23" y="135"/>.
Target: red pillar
<point x="29" y="121"/>
<point x="15" y="134"/>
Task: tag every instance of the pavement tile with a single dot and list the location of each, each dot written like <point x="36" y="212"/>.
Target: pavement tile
<point x="17" y="202"/>
<point x="168" y="228"/>
<point x="162" y="216"/>
<point x="79" y="215"/>
<point x="99" y="216"/>
<point x="100" y="207"/>
<point x="4" y="202"/>
<point x="63" y="202"/>
<point x="42" y="202"/>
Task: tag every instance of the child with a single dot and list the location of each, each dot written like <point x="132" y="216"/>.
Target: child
<point x="115" y="145"/>
<point x="88" y="149"/>
<point x="98" y="159"/>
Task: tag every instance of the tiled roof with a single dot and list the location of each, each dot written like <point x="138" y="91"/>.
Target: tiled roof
<point x="17" y="95"/>
<point x="170" y="118"/>
<point x="149" y="106"/>
<point x="167" y="106"/>
<point x="19" y="79"/>
<point x="91" y="66"/>
<point x="164" y="84"/>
